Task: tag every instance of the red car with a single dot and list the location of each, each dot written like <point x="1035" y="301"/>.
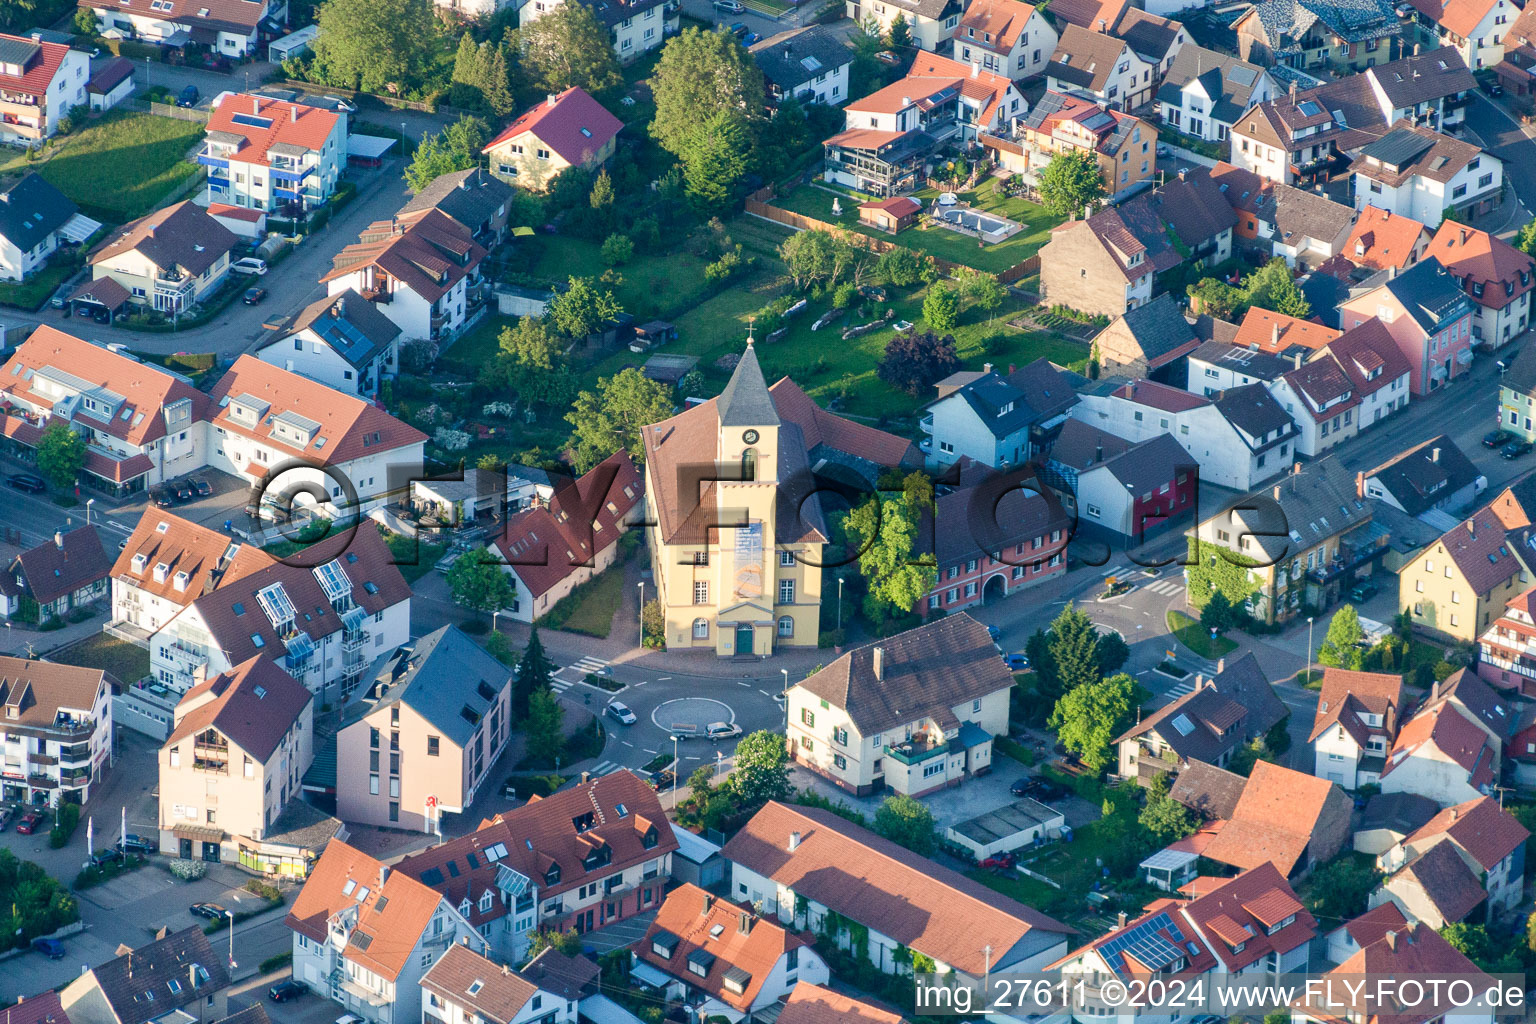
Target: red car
<point x="999" y="862"/>
<point x="30" y="822"/>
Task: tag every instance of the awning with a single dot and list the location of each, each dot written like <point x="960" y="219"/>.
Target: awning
<point x="648" y="975"/>
<point x="198" y="833"/>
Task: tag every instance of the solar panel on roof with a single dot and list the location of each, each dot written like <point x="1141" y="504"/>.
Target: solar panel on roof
<point x="1243" y="76"/>
<point x="252" y="121"/>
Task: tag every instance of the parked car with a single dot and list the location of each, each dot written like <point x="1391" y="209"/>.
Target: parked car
<point x="739" y="29"/>
<point x="285" y="990"/>
<point x="161" y="497"/>
<point x="188" y="97"/>
<point x="1493" y="88"/>
<point x="999" y="861"/>
<point x="729" y="6"/>
<point x="201" y="486"/>
<point x="718" y="731"/>
<point x="619" y="711"/>
<point x="1016" y="662"/>
<point x="253" y="296"/>
<point x="750" y="38"/>
<point x="53" y="949"/>
<point x="661" y="780"/>
<point x="1363" y="592"/>
<point x="60" y="298"/>
<point x="212" y="911"/>
<point x="138" y="844"/>
<point x="1516" y="448"/>
<point x="30" y="822"/>
<point x="1497" y="438"/>
<point x="27" y="482"/>
<point x="887" y="57"/>
<point x="1507" y="360"/>
<point x="102" y="315"/>
<point x="249" y="265"/>
<point x="5" y="818"/>
<point x="103" y="857"/>
<point x="182" y="491"/>
<point x="1037" y="788"/>
<point x="995" y="633"/>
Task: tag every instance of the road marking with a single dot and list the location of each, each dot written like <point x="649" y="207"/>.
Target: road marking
<point x="765" y="693"/>
<point x="742" y="682"/>
<point x="626" y="743"/>
<point x="693" y="757"/>
<point x="1111" y="570"/>
<point x="606" y="768"/>
<point x="662" y="679"/>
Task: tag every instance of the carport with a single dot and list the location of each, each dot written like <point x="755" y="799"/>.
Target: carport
<point x="1007" y="828"/>
<point x="104" y="295"/>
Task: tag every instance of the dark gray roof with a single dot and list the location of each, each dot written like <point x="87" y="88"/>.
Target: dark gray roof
<point x="1404" y="813"/>
<point x="1447" y="881"/>
<point x="1521" y="375"/>
<point x="1191" y="203"/>
<point x="1430" y="294"/>
<point x="1315" y="502"/>
<point x="1159" y="326"/>
<point x="1473" y="693"/>
<point x="179" y="970"/>
<point x="470" y="197"/>
<point x="1045" y="386"/>
<point x="1081" y="445"/>
<point x="989" y="395"/>
<point x="1398" y="148"/>
<point x="439" y="678"/>
<point x="1207" y="790"/>
<point x="745" y="402"/>
<point x="1253" y="410"/>
<point x="1209" y="722"/>
<point x="1286" y="22"/>
<point x="611" y="12"/>
<point x="1228" y="81"/>
<point x="1425" y="474"/>
<point x="304" y="826"/>
<point x="1150" y="464"/>
<point x="1255" y="364"/>
<point x="351" y="325"/>
<point x="31" y="210"/>
<point x="1421" y="78"/>
<point x="790" y="59"/>
<point x="14" y="50"/>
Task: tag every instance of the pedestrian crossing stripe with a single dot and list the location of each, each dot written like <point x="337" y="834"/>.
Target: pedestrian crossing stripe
<point x="560" y="685"/>
<point x="606" y="768"/>
<point x="1164" y="587"/>
<point x="1180" y="690"/>
<point x="590" y="664"/>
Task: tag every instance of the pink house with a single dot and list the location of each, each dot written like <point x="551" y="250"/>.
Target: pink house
<point x="1428" y="316"/>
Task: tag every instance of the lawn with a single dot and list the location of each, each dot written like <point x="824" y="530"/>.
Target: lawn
<point x="124" y="660"/>
<point x="1196" y="637"/>
<point x="414" y="558"/>
<point x="651" y="286"/>
<point x="122" y="166"/>
<point x="813" y="201"/>
<point x="590" y="608"/>
<point x="35" y="290"/>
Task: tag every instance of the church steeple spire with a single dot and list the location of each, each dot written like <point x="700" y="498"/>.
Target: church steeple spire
<point x="745" y="402"/>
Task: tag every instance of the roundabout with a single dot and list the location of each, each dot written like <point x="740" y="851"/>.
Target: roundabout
<point x="689" y="714"/>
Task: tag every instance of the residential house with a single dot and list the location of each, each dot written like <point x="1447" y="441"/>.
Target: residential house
<point x="1436" y="887"/>
<point x="719" y="958"/>
<point x="229" y="28"/>
<point x="342" y="341"/>
<point x="1489" y="841"/>
<point x="1412" y="951"/>
<point x="1377" y="369"/>
<point x="1211" y="792"/>
<point x="1122" y="146"/>
<point x="1508" y="648"/>
<point x="1249" y="925"/>
<point x="34" y="218"/>
<point x="1347" y="939"/>
<point x="988" y="418"/>
<point x="45" y="1008"/>
<point x="421" y="270"/>
<point x="1100" y="266"/>
<point x="1458" y="585"/>
<point x="1355" y="725"/>
<point x="1473" y="29"/>
<point x="179" y="976"/>
<point x="1420" y="173"/>
<point x="567" y="130"/>
<point x="1317" y="34"/>
<point x="577" y="860"/>
<point x="1311" y="533"/>
<point x="1428" y="315"/>
<point x="58" y="731"/>
<point x="432" y="723"/>
<point x="323" y="619"/>
<point x="1207" y="724"/>
<point x="1499" y="278"/>
<point x="166" y="564"/>
<point x="110" y="84"/>
<point x="1237" y="438"/>
<point x="1320" y="397"/>
<point x="1432" y="477"/>
<point x="887" y="714"/>
<point x="1149" y="341"/>
<point x="1009" y="37"/>
<point x="1301" y="227"/>
<point x="476" y="199"/>
<point x="270" y="154"/>
<point x="1442" y="754"/>
<point x="1382" y="240"/>
<point x="1121" y="490"/>
<point x="1517" y="391"/>
<point x="814" y="1004"/>
<point x="1153" y="38"/>
<point x="1517" y="71"/>
<point x="42" y="83"/>
<point x="463" y="987"/>
<point x="142" y="424"/>
<point x="932" y="23"/>
<point x="1206" y="91"/>
<point x="992" y="534"/>
<point x="472" y="494"/>
<point x="59" y="575"/>
<point x="241" y="742"/>
<point x="1101" y="67"/>
<point x="810" y="63"/>
<point x="1304" y="136"/>
<point x="1429" y="88"/>
<point x="635" y="26"/>
<point x="365" y="935"/>
<point x="1284" y="818"/>
<point x="292" y="437"/>
<point x="1099" y="15"/>
<point x="572" y="978"/>
<point x="1389" y="818"/>
<point x="1480" y="704"/>
<point x="1216" y="366"/>
<point x="169" y="260"/>
<point x="805" y="865"/>
<point x="551" y="549"/>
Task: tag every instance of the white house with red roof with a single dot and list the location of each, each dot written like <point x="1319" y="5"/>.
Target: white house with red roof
<point x="229" y="28"/>
<point x="1474" y="28"/>
<point x="269" y="154"/>
<point x="142" y="424"/>
<point x="1489" y="840"/>
<point x="1412" y="950"/>
<point x="1441" y="754"/>
<point x="1007" y="37"/>
<point x="1498" y="277"/>
<point x="567" y="130"/>
<point x="40" y="82"/>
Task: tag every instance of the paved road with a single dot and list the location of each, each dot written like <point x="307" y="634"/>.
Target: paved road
<point x="1503" y="137"/>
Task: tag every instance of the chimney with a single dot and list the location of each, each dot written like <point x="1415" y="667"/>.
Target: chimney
<point x="975" y="70"/>
<point x="1416" y="47"/>
<point x="506" y="969"/>
<point x="794" y="841"/>
<point x="1386" y="214"/>
<point x="1274" y="333"/>
<point x="1454" y="814"/>
<point x="1359" y="485"/>
<point x="586" y="777"/>
<point x="341" y="307"/>
<point x="1120" y="921"/>
<point x="744" y="922"/>
<point x="1434" y="691"/>
<point x="879" y="663"/>
<point x="709" y="901"/>
<point x="1293" y="92"/>
<point x="1472" y="527"/>
<point x="58" y="540"/>
<point x="1103" y="26"/>
<point x="1199" y="681"/>
<point x="1221" y="666"/>
<point x="1098" y="454"/>
<point x="1277" y="492"/>
<point x="1463" y="236"/>
<point x="383" y="876"/>
<point x="1182" y="173"/>
<point x="550" y="99"/>
<point x="1434" y="455"/>
<point x="1296" y="360"/>
<point x="1391" y="940"/>
<point x="986" y="367"/>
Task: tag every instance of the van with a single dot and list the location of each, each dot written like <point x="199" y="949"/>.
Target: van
<point x="188" y="97"/>
<point x="249" y="265"/>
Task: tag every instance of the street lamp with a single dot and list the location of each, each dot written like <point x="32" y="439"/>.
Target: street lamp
<point x="1309" y="649"/>
<point x="675" y="768"/>
<point x="402" y="139"/>
<point x="642" y="612"/>
<point x="495" y="613"/>
<point x="232" y="963"/>
<point x="785" y="695"/>
<point x="88" y="503"/>
<point x="839" y="602"/>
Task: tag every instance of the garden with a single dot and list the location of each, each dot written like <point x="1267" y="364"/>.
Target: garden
<point x="124" y="164"/>
<point x="127" y="662"/>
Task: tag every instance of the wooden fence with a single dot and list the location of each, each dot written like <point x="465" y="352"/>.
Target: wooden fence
<point x="179" y="113"/>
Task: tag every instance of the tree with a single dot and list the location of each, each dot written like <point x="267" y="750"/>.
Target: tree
<point x="581" y="309"/>
<point x="1341" y="647"/>
<point x="941" y="309"/>
<point x="900" y="33"/>
<point x="884" y="533"/>
<point x="60" y="454"/>
<point x="568" y="47"/>
<point x="717" y="159"/>
<point x="498" y="83"/>
<point x="1047" y="683"/>
<point x="568" y="943"/>
<point x="531" y="361"/>
<point x="1272" y="287"/>
<point x="1074" y="643"/>
<point x="477" y="581"/>
<point x="1218" y="614"/>
<point x="905" y="267"/>
<point x="1088" y="718"/>
<point x="378" y="46"/>
<point x="985" y="290"/>
<point x="611" y="418"/>
<point x="1219" y="299"/>
<point x="1340" y="889"/>
<point x="1112" y="653"/>
<point x="617" y="250"/>
<point x="762" y="767"/>
<point x="1526" y="242"/>
<point x="906" y="822"/>
<point x="809" y="256"/>
<point x="1530" y="922"/>
<point x="1070" y="183"/>
<point x="699" y="75"/>
<point x="466" y="89"/>
<point x="913" y="362"/>
<point x="544" y="728"/>
<point x="1166" y="818"/>
<point x="456" y="148"/>
<point x="534" y="671"/>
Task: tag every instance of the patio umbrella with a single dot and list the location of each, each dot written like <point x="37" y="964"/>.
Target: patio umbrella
<point x="90" y="837"/>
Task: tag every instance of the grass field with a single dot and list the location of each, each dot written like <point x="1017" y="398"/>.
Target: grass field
<point x="124" y="660"/>
<point x="1196" y="637"/>
<point x="941" y="242"/>
<point x="35" y="290"/>
<point x="123" y="165"/>
<point x="589" y="609"/>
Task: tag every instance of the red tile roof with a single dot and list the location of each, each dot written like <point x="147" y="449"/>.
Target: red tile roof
<point x="237" y="15"/>
<point x="1481" y="827"/>
<point x="1476" y="258"/>
<point x="1160" y="396"/>
<point x="1347" y="695"/>
<point x="263" y="123"/>
<point x="489" y="991"/>
<point x="813" y="1004"/>
<point x="1375" y="923"/>
<point x="427" y="251"/>
<point x="573" y="124"/>
<point x="1246" y="908"/>
<point x="40" y="68"/>
<point x="206" y="556"/>
<point x="1459" y="16"/>
<point x="818" y="426"/>
<point x="1002" y="20"/>
<point x="1381" y="239"/>
<point x="63" y="564"/>
<point x="931" y="74"/>
<point x="1274" y="819"/>
<point x="1275" y="332"/>
<point x="1414" y="950"/>
<point x="1447" y="730"/>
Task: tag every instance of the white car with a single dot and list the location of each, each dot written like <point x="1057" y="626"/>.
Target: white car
<point x="718" y="731"/>
<point x="350" y="1018"/>
<point x="620" y="711"/>
<point x="249" y="265"/>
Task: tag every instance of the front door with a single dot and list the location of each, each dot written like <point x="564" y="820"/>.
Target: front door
<point x="743" y="639"/>
<point x="186" y="849"/>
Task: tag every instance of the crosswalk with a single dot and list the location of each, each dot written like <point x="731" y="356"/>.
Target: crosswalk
<point x="565" y="678"/>
<point x="1181" y="689"/>
<point x="604" y="768"/>
<point x="1167" y="587"/>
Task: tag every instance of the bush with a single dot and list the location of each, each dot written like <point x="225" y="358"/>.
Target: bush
<point x="617" y="250"/>
<point x="535" y="785"/>
<point x="188" y="870"/>
<point x="844" y="295"/>
<point x="265" y="890"/>
<point x="95" y="875"/>
<point x="272" y="964"/>
<point x="64" y="827"/>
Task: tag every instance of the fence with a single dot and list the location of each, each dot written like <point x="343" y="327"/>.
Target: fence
<point x="179" y="113"/>
<point x="421" y="106"/>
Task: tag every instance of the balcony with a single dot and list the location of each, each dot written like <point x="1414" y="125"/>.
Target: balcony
<point x="42" y="782"/>
<point x="376" y="295"/>
<point x="208" y="157"/>
<point x="1355" y="549"/>
<point x="278" y="174"/>
<point x="75" y="780"/>
<point x="351" y="643"/>
<point x="42" y="759"/>
<point x="916" y="751"/>
<point x="926" y="424"/>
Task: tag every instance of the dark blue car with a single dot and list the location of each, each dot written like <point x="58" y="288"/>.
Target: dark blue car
<point x="188" y="97"/>
<point x="53" y="949"/>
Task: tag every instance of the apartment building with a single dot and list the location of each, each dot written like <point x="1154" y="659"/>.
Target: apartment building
<point x="567" y="130"/>
<point x="577" y="860"/>
<point x="39" y="84"/>
<point x="1429" y="317"/>
<point x="1379" y="373"/>
<point x="1320" y="397"/>
<point x="430" y="725"/>
<point x="634" y="26"/>
<point x="993" y="418"/>
<point x="1296" y="138"/>
<point x="169" y="260"/>
<point x="1009" y="37"/>
<point x="1418" y="172"/>
<point x="364" y="936"/>
<point x="179" y="975"/>
<point x="994" y="534"/>
<point x="1122" y="146"/>
<point x="341" y="341"/>
<point x="58" y="731"/>
<point x="1355" y="725"/>
<point x="1429" y="88"/>
<point x="140" y="423"/>
<point x="464" y="987"/>
<point x="1430" y="481"/>
<point x="1499" y="278"/>
<point x="1459" y="584"/>
<point x="1204" y="92"/>
<point x="277" y="155"/>
<point x="1473" y="29"/>
<point x="230" y="28"/>
<point x="1317" y="34"/>
<point x="1102" y="67"/>
<point x="324" y="624"/>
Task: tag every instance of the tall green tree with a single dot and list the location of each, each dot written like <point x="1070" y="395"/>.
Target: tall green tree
<point x="701" y="74"/>
<point x="466" y="89"/>
<point x="582" y="309"/>
<point x="531" y="361"/>
<point x="544" y="728"/>
<point x="884" y="532"/>
<point x="1166" y="818"/>
<point x="568" y="47"/>
<point x="379" y="46"/>
<point x="941" y="309"/>
<point x="1341" y="889"/>
<point x="1074" y="642"/>
<point x="455" y="148"/>
<point x="60" y="454"/>
<point x="1071" y="182"/>
<point x="1089" y="717"/>
<point x="1272" y="287"/>
<point x="1526" y="240"/>
<point x="717" y="159"/>
<point x="498" y="83"/>
<point x="1341" y="647"/>
<point x="1218" y="614"/>
<point x="900" y="34"/>
<point x="611" y="418"/>
<point x="762" y="767"/>
<point x="906" y="822"/>
<point x="477" y="581"/>
<point x="534" y="672"/>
